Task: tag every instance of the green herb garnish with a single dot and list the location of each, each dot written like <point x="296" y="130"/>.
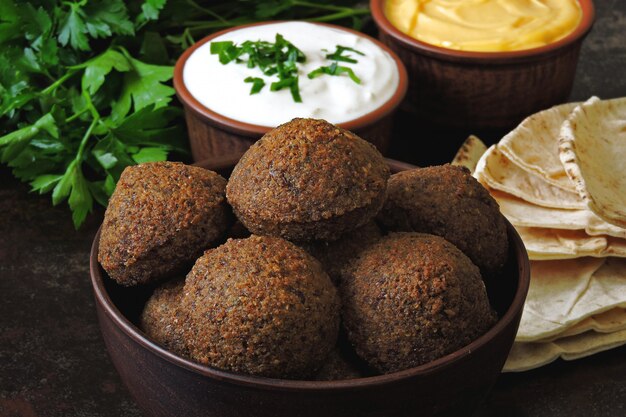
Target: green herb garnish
<point x="334" y="69"/>
<point x="292" y="83"/>
<point x="279" y="58"/>
<point x="257" y="84"/>
<point x="339" y="56"/>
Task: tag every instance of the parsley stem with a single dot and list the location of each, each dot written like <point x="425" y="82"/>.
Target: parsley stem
<point x="83" y="142"/>
<point x="58" y="82"/>
<point x="76" y="115"/>
<point x="210" y="12"/>
<point x="202" y="25"/>
<point x="92" y="109"/>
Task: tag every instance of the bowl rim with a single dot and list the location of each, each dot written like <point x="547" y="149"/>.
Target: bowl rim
<point x="249" y="129"/>
<point x="497" y="57"/>
<point x="134" y="333"/>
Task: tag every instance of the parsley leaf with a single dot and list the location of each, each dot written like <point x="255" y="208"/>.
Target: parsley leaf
<point x="97" y="19"/>
<point x="278" y="58"/>
<point x="339" y="56"/>
<point x="150" y="10"/>
<point x="73" y="30"/>
<point x="96" y="69"/>
<point x="257" y="84"/>
<point x="334" y="69"/>
<point x="144" y="85"/>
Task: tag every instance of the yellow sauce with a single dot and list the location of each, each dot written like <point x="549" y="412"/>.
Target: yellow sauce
<point x="485" y="25"/>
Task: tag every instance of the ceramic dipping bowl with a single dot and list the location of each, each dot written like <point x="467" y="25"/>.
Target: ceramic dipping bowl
<point x="166" y="385"/>
<point x="484" y="90"/>
<point x="213" y="135"/>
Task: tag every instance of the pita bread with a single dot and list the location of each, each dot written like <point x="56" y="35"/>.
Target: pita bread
<point x="522" y="213"/>
<point x="563" y="293"/>
<point x="556" y="288"/>
<point x="607" y="322"/>
<point x="592" y="149"/>
<point x="533" y="145"/>
<point x="526" y="356"/>
<point x="498" y="172"/>
<point x="469" y="153"/>
<point x="547" y="244"/>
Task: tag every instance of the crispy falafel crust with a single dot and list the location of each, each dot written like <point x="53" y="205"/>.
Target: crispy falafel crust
<point x="161" y="216"/>
<point x="337" y="367"/>
<point x="308" y="179"/>
<point x="260" y="306"/>
<point x="411" y="298"/>
<point x="161" y="318"/>
<point x="447" y="201"/>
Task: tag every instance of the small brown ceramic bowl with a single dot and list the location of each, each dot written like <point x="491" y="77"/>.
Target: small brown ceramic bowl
<point x="212" y="135"/>
<point x="166" y="385"/>
<point x="484" y="90"/>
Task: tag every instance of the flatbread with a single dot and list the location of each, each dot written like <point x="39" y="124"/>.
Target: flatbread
<point x="555" y="288"/>
<point x="592" y="148"/>
<point x="522" y="213"/>
<point x="526" y="356"/>
<point x="469" y="153"/>
<point x="498" y="172"/>
<point x="533" y="145"/>
<point x="607" y="322"/>
<point x="563" y="293"/>
<point x="548" y="244"/>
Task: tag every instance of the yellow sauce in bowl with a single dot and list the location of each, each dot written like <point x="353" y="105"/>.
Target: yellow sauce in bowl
<point x="485" y="25"/>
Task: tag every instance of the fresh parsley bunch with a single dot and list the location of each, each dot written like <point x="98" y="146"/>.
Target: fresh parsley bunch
<point x="76" y="107"/>
<point x="85" y="85"/>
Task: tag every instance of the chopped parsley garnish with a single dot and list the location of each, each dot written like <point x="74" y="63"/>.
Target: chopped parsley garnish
<point x="339" y="56"/>
<point x="334" y="69"/>
<point x="281" y="58"/>
<point x="278" y="58"/>
<point x="257" y="84"/>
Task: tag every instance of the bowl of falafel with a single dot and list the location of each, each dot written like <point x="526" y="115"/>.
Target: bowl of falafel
<point x="313" y="277"/>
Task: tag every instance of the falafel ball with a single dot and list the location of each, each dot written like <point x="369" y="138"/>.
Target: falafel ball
<point x="308" y="179"/>
<point x="447" y="201"/>
<point x="161" y="216"/>
<point x="411" y="298"/>
<point x="337" y="366"/>
<point x="260" y="306"/>
<point x="162" y="319"/>
<point x="336" y="254"/>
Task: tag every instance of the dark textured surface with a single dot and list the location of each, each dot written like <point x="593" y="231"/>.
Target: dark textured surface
<point x="52" y="357"/>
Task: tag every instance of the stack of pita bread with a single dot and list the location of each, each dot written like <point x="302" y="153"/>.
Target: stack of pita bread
<point x="560" y="179"/>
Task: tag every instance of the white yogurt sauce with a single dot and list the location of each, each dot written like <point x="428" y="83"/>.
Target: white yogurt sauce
<point x="337" y="99"/>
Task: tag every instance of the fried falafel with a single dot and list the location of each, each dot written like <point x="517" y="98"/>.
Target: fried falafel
<point x="447" y="201"/>
<point x="411" y="298"/>
<point x="162" y="319"/>
<point x="308" y="179"/>
<point x="337" y="367"/>
<point x="161" y="216"/>
<point x="260" y="306"/>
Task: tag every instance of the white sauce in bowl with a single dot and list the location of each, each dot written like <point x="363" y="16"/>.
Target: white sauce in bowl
<point x="337" y="99"/>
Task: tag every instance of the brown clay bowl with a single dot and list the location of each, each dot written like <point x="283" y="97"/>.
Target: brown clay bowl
<point x="484" y="90"/>
<point x="213" y="135"/>
<point x="166" y="385"/>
